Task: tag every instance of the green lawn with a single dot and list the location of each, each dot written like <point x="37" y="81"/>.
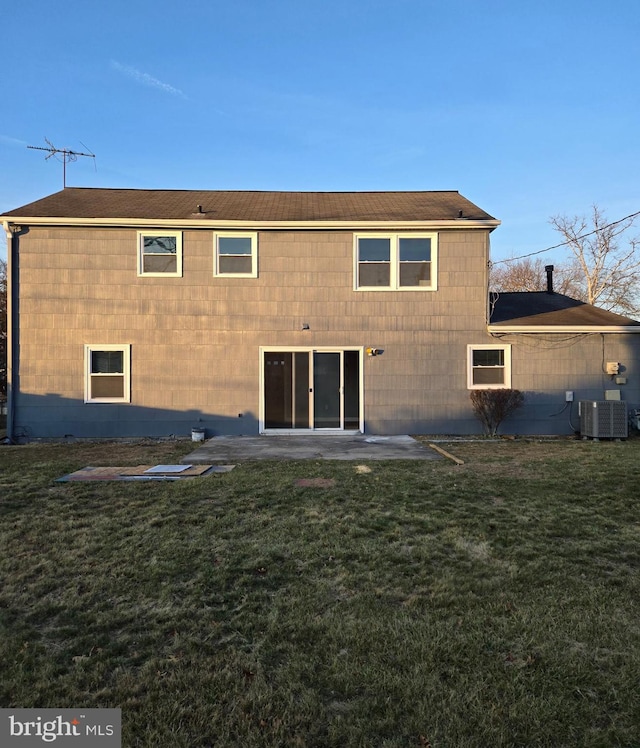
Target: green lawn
<point x="491" y="604"/>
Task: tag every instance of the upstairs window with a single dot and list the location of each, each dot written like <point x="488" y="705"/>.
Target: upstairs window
<point x="374" y="262"/>
<point x="160" y="253"/>
<point x="396" y="262"/>
<point x="236" y="255"/>
<point x="488" y="367"/>
<point x="107" y="373"/>
<point x="415" y="261"/>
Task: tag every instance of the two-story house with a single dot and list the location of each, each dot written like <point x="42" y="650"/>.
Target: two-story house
<point x="151" y="312"/>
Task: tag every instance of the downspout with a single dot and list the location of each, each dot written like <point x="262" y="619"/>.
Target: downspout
<point x="9" y="230"/>
<point x="487" y="278"/>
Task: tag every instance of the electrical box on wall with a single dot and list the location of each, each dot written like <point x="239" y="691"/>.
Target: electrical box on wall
<point x="613" y="367"/>
<point x="568" y="396"/>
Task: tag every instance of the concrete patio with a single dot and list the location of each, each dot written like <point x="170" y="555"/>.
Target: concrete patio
<point x="233" y="449"/>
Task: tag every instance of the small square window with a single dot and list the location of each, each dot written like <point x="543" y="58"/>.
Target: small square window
<point x="488" y="367"/>
<point x="236" y="255"/>
<point x="107" y="373"/>
<point x="160" y="254"/>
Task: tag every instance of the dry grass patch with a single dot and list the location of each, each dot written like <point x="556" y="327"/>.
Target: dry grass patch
<point x="489" y="604"/>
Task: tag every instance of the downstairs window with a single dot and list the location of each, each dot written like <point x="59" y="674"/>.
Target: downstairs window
<point x="107" y="374"/>
<point x="488" y="367"/>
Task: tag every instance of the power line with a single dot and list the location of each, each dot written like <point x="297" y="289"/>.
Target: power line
<point x="569" y="241"/>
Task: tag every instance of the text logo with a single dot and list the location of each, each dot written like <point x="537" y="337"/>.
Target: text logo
<point x="63" y="728"/>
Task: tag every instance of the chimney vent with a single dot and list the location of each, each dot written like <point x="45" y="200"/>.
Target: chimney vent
<point x="549" y="270"/>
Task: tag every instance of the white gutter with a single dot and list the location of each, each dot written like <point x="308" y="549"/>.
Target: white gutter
<point x="221" y="223"/>
<point x="10" y="357"/>
<point x="566" y="329"/>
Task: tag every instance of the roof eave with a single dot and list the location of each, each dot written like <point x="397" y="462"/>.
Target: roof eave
<point x="221" y="223"/>
<point x="564" y="328"/>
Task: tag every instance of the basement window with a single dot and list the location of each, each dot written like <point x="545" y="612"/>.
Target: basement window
<point x="488" y="367"/>
<point x="160" y="254"/>
<point x="107" y="373"/>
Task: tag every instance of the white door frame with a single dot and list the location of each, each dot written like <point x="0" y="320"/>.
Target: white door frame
<point x="314" y="349"/>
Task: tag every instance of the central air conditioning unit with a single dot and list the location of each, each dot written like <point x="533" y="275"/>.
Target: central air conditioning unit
<point x="603" y="419"/>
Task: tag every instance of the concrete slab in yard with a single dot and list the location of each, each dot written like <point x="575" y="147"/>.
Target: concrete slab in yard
<point x="225" y="449"/>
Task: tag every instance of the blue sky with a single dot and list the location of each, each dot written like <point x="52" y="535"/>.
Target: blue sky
<point x="529" y="109"/>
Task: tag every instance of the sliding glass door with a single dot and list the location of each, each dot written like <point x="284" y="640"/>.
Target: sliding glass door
<point x="312" y="390"/>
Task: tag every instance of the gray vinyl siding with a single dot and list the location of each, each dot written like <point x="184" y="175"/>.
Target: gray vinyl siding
<point x="195" y="339"/>
<point x="545" y="367"/>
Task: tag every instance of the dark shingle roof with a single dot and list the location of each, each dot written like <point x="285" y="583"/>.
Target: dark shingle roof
<point x="85" y="202"/>
<point x="542" y="309"/>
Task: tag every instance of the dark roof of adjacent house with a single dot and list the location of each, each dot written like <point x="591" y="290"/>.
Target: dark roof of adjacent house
<point x="542" y="309"/>
<point x="97" y="203"/>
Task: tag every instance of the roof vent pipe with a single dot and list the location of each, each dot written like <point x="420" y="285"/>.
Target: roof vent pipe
<point x="549" y="270"/>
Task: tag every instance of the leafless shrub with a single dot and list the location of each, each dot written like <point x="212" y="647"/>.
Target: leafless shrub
<point x="491" y="407"/>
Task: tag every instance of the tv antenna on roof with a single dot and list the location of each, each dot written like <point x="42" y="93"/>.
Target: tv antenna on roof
<point x="67" y="155"/>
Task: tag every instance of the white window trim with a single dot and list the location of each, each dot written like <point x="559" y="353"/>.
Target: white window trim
<point x="160" y="232"/>
<point x="253" y="235"/>
<point x="394" y="279"/>
<point x="507" y="366"/>
<point x="126" y="358"/>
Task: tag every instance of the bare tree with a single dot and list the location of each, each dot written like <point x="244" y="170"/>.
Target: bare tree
<point x="610" y="268"/>
<point x="529" y="275"/>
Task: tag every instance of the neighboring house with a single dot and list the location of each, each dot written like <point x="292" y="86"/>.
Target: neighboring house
<point x="151" y="312"/>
